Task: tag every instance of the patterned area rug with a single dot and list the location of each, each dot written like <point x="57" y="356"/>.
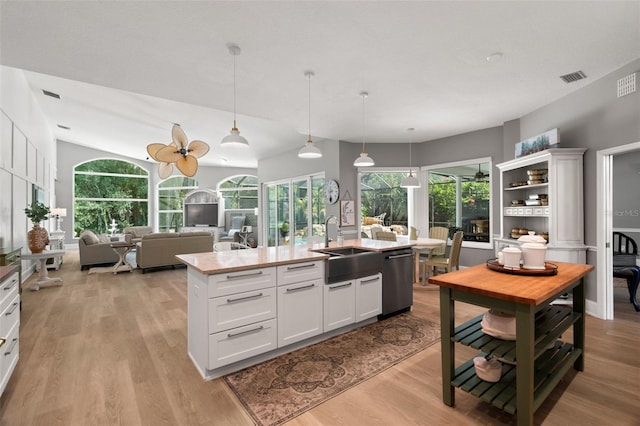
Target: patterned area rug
<point x="285" y="387"/>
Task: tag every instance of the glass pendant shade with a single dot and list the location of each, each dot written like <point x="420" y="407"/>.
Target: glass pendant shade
<point x="410" y="181"/>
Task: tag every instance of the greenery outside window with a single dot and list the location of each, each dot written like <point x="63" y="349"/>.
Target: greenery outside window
<point x="459" y="198"/>
<point x="239" y="192"/>
<point x="171" y="193"/>
<point x="294" y="207"/>
<point x="382" y="196"/>
<point x="106" y="190"/>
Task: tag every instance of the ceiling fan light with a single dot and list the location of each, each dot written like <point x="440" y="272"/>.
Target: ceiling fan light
<point x="410" y="181"/>
<point x="234" y="139"/>
<point x="364" y="160"/>
<point x="309" y="150"/>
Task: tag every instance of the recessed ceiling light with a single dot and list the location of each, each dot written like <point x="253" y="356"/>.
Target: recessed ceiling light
<point x="495" y="57"/>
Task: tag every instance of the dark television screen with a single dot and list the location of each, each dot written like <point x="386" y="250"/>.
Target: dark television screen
<point x="201" y="214"/>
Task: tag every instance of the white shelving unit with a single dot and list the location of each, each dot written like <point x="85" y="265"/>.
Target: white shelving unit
<point x="203" y="196"/>
<point x="562" y="218"/>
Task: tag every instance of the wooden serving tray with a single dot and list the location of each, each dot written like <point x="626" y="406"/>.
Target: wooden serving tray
<point x="549" y="269"/>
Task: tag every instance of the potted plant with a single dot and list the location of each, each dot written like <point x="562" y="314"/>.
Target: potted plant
<point x="284" y="229"/>
<point x="37" y="236"/>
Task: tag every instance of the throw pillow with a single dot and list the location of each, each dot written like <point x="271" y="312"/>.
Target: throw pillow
<point x="89" y="238"/>
<point x="104" y="239"/>
<point x="237" y="222"/>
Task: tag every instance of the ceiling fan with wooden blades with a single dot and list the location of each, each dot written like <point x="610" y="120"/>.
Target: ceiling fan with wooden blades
<point x="180" y="151"/>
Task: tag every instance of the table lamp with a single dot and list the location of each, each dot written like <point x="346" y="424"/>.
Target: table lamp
<point x="59" y="213"/>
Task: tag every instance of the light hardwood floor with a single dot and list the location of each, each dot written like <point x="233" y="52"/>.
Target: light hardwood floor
<point x="111" y="350"/>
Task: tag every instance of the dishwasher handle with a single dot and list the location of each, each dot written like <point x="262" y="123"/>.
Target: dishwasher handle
<point x="398" y="256"/>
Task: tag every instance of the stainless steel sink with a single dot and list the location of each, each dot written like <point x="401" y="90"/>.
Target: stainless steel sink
<point x="350" y="263"/>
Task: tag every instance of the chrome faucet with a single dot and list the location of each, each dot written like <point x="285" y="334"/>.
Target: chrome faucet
<point x="326" y="229"/>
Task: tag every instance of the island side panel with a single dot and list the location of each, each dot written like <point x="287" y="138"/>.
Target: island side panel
<point x="197" y="324"/>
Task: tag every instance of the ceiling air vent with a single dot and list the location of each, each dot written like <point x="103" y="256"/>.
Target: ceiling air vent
<point x="64" y="127"/>
<point x="48" y="93"/>
<point x="574" y="76"/>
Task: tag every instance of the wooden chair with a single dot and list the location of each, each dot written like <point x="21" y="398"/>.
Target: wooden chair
<point x="625" y="252"/>
<point x="448" y="263"/>
<point x="386" y="236"/>
<point x="440" y="233"/>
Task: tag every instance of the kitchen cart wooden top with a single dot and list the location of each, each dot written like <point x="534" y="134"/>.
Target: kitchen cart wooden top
<point x="529" y="290"/>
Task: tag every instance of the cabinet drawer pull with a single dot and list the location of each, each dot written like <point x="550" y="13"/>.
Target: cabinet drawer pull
<point x="14" y="342"/>
<point x="253" y="274"/>
<point x="308" y="265"/>
<point x="300" y="288"/>
<point x="370" y="280"/>
<point x="2" y="341"/>
<point x="10" y="286"/>
<point x="15" y="305"/>
<point x="340" y="286"/>
<point x="245" y="332"/>
<point x="237" y="299"/>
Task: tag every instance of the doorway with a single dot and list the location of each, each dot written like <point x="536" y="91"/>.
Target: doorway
<point x="604" y="285"/>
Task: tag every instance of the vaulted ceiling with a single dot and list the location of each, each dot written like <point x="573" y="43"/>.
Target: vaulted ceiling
<point x="126" y="71"/>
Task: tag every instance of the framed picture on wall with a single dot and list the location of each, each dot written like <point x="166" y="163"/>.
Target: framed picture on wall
<point x="347" y="213"/>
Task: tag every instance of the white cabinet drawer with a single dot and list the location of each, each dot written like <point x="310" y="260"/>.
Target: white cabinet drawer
<point x="9" y="357"/>
<point x="234" y="345"/>
<point x="299" y="311"/>
<point x="10" y="316"/>
<point x="240" y="309"/>
<point x="8" y="290"/>
<point x="238" y="282"/>
<point x="299" y="272"/>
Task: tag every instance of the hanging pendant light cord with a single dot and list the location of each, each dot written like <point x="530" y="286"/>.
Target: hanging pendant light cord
<point x="309" y="77"/>
<point x="234" y="90"/>
<point x="363" y="96"/>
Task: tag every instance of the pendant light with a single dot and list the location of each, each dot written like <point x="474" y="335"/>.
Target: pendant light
<point x="364" y="160"/>
<point x="410" y="181"/>
<point x="234" y="138"/>
<point x="309" y="150"/>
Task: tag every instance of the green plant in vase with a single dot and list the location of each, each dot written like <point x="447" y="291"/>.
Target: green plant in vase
<point x="38" y="237"/>
<point x="284" y="229"/>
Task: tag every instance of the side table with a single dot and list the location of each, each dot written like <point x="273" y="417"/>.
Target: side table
<point x="122" y="248"/>
<point x="43" y="279"/>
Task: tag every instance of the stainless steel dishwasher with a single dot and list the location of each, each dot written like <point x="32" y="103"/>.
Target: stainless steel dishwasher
<point x="397" y="281"/>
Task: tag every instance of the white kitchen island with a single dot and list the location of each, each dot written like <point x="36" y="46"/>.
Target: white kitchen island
<point x="247" y="306"/>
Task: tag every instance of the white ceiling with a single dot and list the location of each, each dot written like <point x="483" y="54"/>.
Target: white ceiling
<point x="127" y="70"/>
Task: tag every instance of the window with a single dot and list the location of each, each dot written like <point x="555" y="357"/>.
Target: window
<point x="239" y="192"/>
<point x="459" y="198"/>
<point x="288" y="222"/>
<point x="106" y="190"/>
<point x="382" y="197"/>
<point x="171" y="193"/>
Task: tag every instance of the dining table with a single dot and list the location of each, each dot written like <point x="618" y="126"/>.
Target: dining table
<point x="423" y="243"/>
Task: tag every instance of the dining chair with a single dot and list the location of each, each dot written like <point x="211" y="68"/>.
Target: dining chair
<point x="447" y="263"/>
<point x="440" y="233"/>
<point x="386" y="236"/>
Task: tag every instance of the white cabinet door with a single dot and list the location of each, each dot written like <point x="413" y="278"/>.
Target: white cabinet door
<point x="299" y="311"/>
<point x="368" y="297"/>
<point x="339" y="305"/>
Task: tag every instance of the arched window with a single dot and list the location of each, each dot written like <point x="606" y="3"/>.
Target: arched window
<point x="106" y="190"/>
<point x="239" y="192"/>
<point x="171" y="194"/>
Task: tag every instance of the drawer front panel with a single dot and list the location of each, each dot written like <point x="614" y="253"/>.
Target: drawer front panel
<point x="10" y="316"/>
<point x="234" y="345"/>
<point x="300" y="272"/>
<point x="241" y="281"/>
<point x="8" y="290"/>
<point x="9" y="357"/>
<point x="241" y="309"/>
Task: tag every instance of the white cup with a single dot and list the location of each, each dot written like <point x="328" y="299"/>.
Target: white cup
<point x="511" y="257"/>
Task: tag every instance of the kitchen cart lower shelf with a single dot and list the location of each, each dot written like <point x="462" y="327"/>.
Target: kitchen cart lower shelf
<point x="549" y="370"/>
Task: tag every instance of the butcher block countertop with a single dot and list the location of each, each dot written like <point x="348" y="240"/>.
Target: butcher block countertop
<point x="239" y="260"/>
<point x="529" y="290"/>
